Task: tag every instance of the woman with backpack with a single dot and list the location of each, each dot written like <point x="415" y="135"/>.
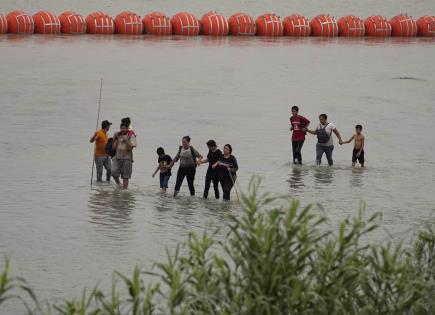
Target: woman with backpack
<point x="325" y="144"/>
<point x="189" y="158"/>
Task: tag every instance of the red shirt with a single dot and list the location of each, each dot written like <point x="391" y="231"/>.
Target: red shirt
<point x="298" y="123"/>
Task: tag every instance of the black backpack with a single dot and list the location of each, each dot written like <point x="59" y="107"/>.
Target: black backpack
<point x="109" y="148"/>
<point x="322" y="135"/>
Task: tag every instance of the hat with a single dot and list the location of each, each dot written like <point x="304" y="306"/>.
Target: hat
<point x="105" y="124"/>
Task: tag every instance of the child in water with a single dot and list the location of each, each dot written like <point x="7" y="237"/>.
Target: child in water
<point x="358" y="149"/>
<point x="165" y="171"/>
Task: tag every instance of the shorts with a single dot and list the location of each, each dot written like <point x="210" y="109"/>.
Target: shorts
<point x="122" y="167"/>
<point x="360" y="158"/>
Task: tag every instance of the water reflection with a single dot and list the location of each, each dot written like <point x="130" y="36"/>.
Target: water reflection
<point x="356" y="177"/>
<point x="111" y="207"/>
<point x="296" y="179"/>
<point x="323" y="175"/>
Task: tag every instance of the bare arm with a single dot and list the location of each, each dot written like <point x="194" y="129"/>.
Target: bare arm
<point x="348" y="141"/>
<point x="203" y="161"/>
<point x="157" y="169"/>
<point x="337" y="133"/>
<point x="313" y="132"/>
<point x="94" y="137"/>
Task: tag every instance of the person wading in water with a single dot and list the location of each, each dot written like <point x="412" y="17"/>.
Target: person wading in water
<point x="213" y="156"/>
<point x="298" y="123"/>
<point x="100" y="155"/>
<point x="189" y="159"/>
<point x="122" y="166"/>
<point x="227" y="168"/>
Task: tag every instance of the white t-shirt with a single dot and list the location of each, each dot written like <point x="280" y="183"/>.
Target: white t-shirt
<point x="329" y="129"/>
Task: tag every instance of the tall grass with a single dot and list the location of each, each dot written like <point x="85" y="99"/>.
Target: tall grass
<point x="276" y="259"/>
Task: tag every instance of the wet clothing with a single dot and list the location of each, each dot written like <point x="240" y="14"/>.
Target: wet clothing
<point x="101" y="139"/>
<point x="122" y="167"/>
<point x="298" y="122"/>
<point x="100" y="162"/>
<point x="123" y="152"/>
<point x="297" y="155"/>
<point x="227" y="177"/>
<point x="320" y="149"/>
<point x="189" y="173"/>
<point x="212" y="173"/>
<point x="360" y="158"/>
<point x="164" y="180"/>
<point x="329" y="128"/>
<point x="186" y="158"/>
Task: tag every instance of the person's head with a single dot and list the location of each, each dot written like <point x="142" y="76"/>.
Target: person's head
<point x="295" y="110"/>
<point x="228" y="149"/>
<point x="211" y="144"/>
<point x="358" y="129"/>
<point x="323" y="118"/>
<point x="185" y="141"/>
<point x="123" y="129"/>
<point x="106" y="125"/>
<point x="126" y="121"/>
<point x="160" y="151"/>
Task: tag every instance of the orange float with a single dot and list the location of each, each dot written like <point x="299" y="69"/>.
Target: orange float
<point x="46" y="23"/>
<point x="296" y="25"/>
<point x="128" y="23"/>
<point x="20" y="23"/>
<point x="241" y="24"/>
<point x="426" y="26"/>
<point x="3" y="24"/>
<point x="377" y="26"/>
<point x="72" y="23"/>
<point x="269" y="24"/>
<point x="324" y="25"/>
<point x="403" y="25"/>
<point x="157" y="23"/>
<point x="351" y="26"/>
<point x="99" y="23"/>
<point x="215" y="24"/>
<point x="185" y="23"/>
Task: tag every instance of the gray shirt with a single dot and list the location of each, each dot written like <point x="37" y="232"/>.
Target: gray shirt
<point x="185" y="157"/>
<point x="329" y="129"/>
<point x="123" y="151"/>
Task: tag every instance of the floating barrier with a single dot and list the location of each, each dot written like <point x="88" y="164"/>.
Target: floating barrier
<point x="157" y="23"/>
<point x="242" y="24"/>
<point x="72" y="23"/>
<point x="377" y="26"/>
<point x="403" y="25"/>
<point x="3" y="24"/>
<point x="128" y="23"/>
<point x="269" y="24"/>
<point x="20" y="23"/>
<point x="185" y="23"/>
<point x="426" y="26"/>
<point x="46" y="23"/>
<point x="99" y="23"/>
<point x="324" y="25"/>
<point x="351" y="26"/>
<point x="296" y="25"/>
<point x="215" y="24"/>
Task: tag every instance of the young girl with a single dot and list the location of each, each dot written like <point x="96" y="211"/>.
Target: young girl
<point x="165" y="171"/>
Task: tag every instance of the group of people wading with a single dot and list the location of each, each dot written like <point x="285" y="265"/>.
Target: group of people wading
<point x="116" y="156"/>
<point x="299" y="126"/>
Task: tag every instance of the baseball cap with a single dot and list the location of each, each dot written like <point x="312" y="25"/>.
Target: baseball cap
<point x="105" y="124"/>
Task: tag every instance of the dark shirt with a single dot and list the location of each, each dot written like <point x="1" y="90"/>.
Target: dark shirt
<point x="213" y="157"/>
<point x="230" y="162"/>
<point x="165" y="161"/>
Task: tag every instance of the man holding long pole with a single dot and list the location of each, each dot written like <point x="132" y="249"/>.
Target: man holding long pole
<point x="100" y="155"/>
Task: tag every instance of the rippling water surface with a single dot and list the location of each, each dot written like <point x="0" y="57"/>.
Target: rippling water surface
<point x="63" y="234"/>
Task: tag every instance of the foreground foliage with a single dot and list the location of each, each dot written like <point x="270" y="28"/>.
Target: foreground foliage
<point x="275" y="260"/>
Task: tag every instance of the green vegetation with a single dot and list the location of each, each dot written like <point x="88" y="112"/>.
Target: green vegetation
<point x="275" y="260"/>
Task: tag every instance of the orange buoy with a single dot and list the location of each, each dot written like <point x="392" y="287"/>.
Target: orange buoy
<point x="377" y="26"/>
<point x="215" y="24"/>
<point x="128" y="23"/>
<point x="99" y="23"/>
<point x="324" y="25"/>
<point x="241" y="24"/>
<point x="351" y="26"/>
<point x="3" y="24"/>
<point x="269" y="24"/>
<point x="157" y="23"/>
<point x="72" y="23"/>
<point x="426" y="26"/>
<point x="296" y="25"/>
<point x="403" y="25"/>
<point x="20" y="23"/>
<point x="46" y="23"/>
<point x="185" y="23"/>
